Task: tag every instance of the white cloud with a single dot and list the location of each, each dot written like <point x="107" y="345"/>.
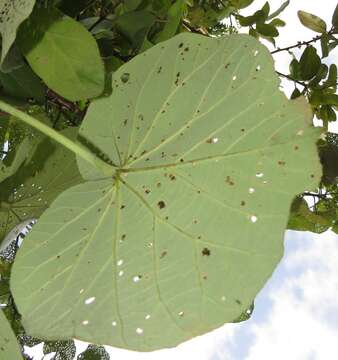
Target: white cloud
<point x="299" y="325"/>
<point x="204" y="347"/>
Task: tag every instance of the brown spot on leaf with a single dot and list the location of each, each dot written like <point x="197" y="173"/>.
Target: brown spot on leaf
<point x="229" y="181"/>
<point x="281" y="162"/>
<point x="206" y="252"/>
<point x="164" y="253"/>
<point x="242" y="203"/>
<point x="161" y="204"/>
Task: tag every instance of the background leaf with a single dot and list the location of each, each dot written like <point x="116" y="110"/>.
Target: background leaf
<point x="27" y="193"/>
<point x="22" y="83"/>
<point x="135" y="26"/>
<point x="9" y="348"/>
<point x="190" y="227"/>
<point x="12" y="14"/>
<point x="312" y="22"/>
<point x="50" y="40"/>
<point x="309" y="63"/>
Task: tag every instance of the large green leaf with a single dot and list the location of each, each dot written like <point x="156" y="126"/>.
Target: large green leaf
<point x="209" y="156"/>
<point x="9" y="348"/>
<point x="63" y="53"/>
<point x="12" y="14"/>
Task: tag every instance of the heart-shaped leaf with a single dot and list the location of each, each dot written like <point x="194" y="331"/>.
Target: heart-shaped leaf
<point x="209" y="155"/>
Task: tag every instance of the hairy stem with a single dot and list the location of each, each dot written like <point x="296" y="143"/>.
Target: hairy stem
<point x="76" y="148"/>
<point x="300" y="43"/>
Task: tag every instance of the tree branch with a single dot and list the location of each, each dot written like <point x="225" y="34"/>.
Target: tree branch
<point x="291" y="79"/>
<point x="301" y="43"/>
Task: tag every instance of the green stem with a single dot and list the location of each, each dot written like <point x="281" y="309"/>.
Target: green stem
<point x="76" y="148"/>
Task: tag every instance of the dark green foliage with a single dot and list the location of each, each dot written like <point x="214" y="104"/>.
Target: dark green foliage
<point x="94" y="353"/>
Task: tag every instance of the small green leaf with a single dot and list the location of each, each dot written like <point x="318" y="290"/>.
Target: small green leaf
<point x="9" y="346"/>
<point x="303" y="219"/>
<point x="267" y="30"/>
<point x="321" y="74"/>
<point x="175" y="15"/>
<point x="266" y="9"/>
<point x="335" y="18"/>
<point x="279" y="10"/>
<point x="331" y="99"/>
<point x="295" y="94"/>
<point x="246" y="20"/>
<point x="94" y="352"/>
<point x="12" y="14"/>
<point x="277" y="23"/>
<point x="51" y="40"/>
<point x="258" y="17"/>
<point x="326" y="113"/>
<point x="309" y="63"/>
<point x="324" y="42"/>
<point x="312" y="22"/>
<point x="332" y="78"/>
<point x="294" y="68"/>
<point x="135" y="26"/>
<point x="253" y="33"/>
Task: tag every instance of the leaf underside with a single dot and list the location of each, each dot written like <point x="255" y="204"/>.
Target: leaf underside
<point x="9" y="348"/>
<point x="12" y="14"/>
<point x="209" y="155"/>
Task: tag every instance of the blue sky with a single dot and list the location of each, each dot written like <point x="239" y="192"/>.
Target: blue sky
<point x="296" y="314"/>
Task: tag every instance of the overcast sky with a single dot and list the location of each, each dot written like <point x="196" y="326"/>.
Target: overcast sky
<point x="296" y="314"/>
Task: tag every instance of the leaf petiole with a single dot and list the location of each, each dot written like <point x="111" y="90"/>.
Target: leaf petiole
<point x="76" y="148"/>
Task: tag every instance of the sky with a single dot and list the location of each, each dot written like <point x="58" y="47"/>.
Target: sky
<point x="296" y="313"/>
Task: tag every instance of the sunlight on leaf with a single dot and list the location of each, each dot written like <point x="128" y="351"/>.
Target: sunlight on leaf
<point x="209" y="155"/>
